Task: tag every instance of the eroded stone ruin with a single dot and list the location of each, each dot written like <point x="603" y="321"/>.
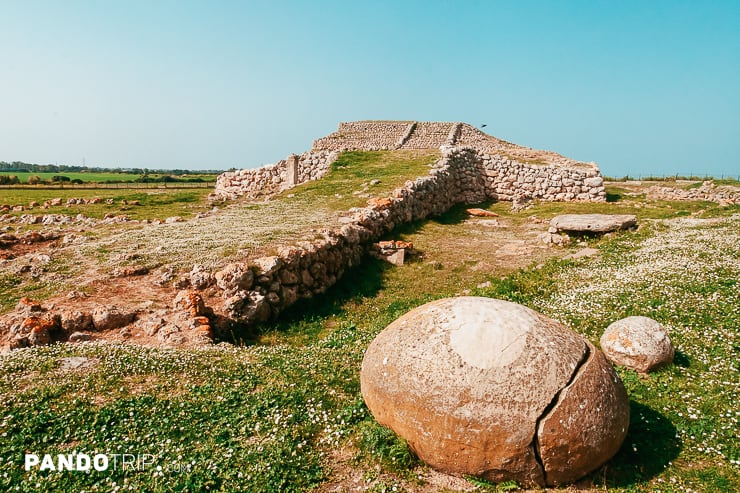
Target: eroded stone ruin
<point x="501" y="170"/>
<point x="474" y="167"/>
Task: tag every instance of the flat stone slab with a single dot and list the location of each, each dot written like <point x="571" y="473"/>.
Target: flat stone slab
<point x="592" y="223"/>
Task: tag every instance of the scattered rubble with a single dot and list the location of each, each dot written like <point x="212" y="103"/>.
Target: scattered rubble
<point x="393" y="251"/>
<point x="724" y="196"/>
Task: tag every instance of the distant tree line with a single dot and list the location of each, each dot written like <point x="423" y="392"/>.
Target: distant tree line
<point x="61" y="179"/>
<point x="19" y="166"/>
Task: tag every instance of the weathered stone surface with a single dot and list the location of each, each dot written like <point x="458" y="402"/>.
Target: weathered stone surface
<point x="588" y="423"/>
<point x="234" y="277"/>
<point x="76" y="321"/>
<point x="80" y="337"/>
<point x="77" y="363"/>
<point x="592" y="223"/>
<point x="39" y="330"/>
<point x="267" y="265"/>
<point x="467" y="382"/>
<point x="640" y="343"/>
<point x="190" y="303"/>
<point x="396" y="258"/>
<point x="110" y="317"/>
<point x="248" y="307"/>
<point x="200" y="277"/>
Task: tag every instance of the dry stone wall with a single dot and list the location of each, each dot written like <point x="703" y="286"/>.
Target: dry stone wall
<point x="504" y="170"/>
<point x="273" y="178"/>
<point x="430" y="135"/>
<point x="259" y="290"/>
<point x="366" y="136"/>
<point x="509" y="179"/>
<point x="474" y="167"/>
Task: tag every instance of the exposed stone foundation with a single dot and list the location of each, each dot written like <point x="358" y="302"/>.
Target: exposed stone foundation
<point x="502" y="171"/>
<point x="474" y="167"/>
<point x="707" y="191"/>
<point x="259" y="290"/>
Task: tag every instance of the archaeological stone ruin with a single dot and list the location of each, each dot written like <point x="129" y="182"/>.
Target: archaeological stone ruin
<point x="497" y="169"/>
<point x="473" y="167"/>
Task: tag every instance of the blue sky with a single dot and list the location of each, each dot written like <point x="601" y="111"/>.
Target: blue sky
<point x="639" y="87"/>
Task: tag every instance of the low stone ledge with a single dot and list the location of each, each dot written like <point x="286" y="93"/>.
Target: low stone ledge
<point x="592" y="223"/>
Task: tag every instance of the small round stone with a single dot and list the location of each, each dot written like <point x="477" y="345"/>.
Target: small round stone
<point x="639" y="343"/>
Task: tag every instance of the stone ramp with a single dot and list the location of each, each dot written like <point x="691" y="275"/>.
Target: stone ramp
<point x="429" y="135"/>
<point x="372" y="135"/>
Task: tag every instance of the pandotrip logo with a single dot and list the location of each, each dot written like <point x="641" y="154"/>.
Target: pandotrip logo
<point x="88" y="462"/>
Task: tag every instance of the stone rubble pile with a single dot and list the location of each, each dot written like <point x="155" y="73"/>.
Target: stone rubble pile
<point x="707" y="191"/>
<point x="58" y="202"/>
<point x="33" y="324"/>
<point x="187" y="321"/>
<point x="392" y="251"/>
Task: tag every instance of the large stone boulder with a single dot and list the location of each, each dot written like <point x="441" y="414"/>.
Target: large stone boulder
<point x="639" y="343"/>
<point x="111" y="317"/>
<point x="592" y="223"/>
<point x="489" y="388"/>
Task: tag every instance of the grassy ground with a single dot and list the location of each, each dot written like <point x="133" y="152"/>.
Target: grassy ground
<point x="159" y="203"/>
<point x="237" y="230"/>
<point x="286" y="414"/>
<point x="348" y="184"/>
<point x="99" y="177"/>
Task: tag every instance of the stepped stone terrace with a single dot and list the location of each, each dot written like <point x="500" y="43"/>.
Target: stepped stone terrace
<point x="501" y="170"/>
<point x="371" y="135"/>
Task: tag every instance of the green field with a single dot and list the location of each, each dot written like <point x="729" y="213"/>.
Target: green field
<point x="159" y="203"/>
<point x="99" y="177"/>
<point x="285" y="413"/>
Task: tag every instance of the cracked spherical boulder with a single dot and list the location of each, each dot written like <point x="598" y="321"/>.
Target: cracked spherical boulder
<point x="489" y="388"/>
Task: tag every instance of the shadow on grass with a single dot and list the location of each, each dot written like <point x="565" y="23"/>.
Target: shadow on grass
<point x="681" y="359"/>
<point x="457" y="213"/>
<point x="613" y="197"/>
<point x="362" y="281"/>
<point x="650" y="445"/>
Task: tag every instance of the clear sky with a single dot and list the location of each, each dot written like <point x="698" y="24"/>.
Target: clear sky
<point x="638" y="86"/>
